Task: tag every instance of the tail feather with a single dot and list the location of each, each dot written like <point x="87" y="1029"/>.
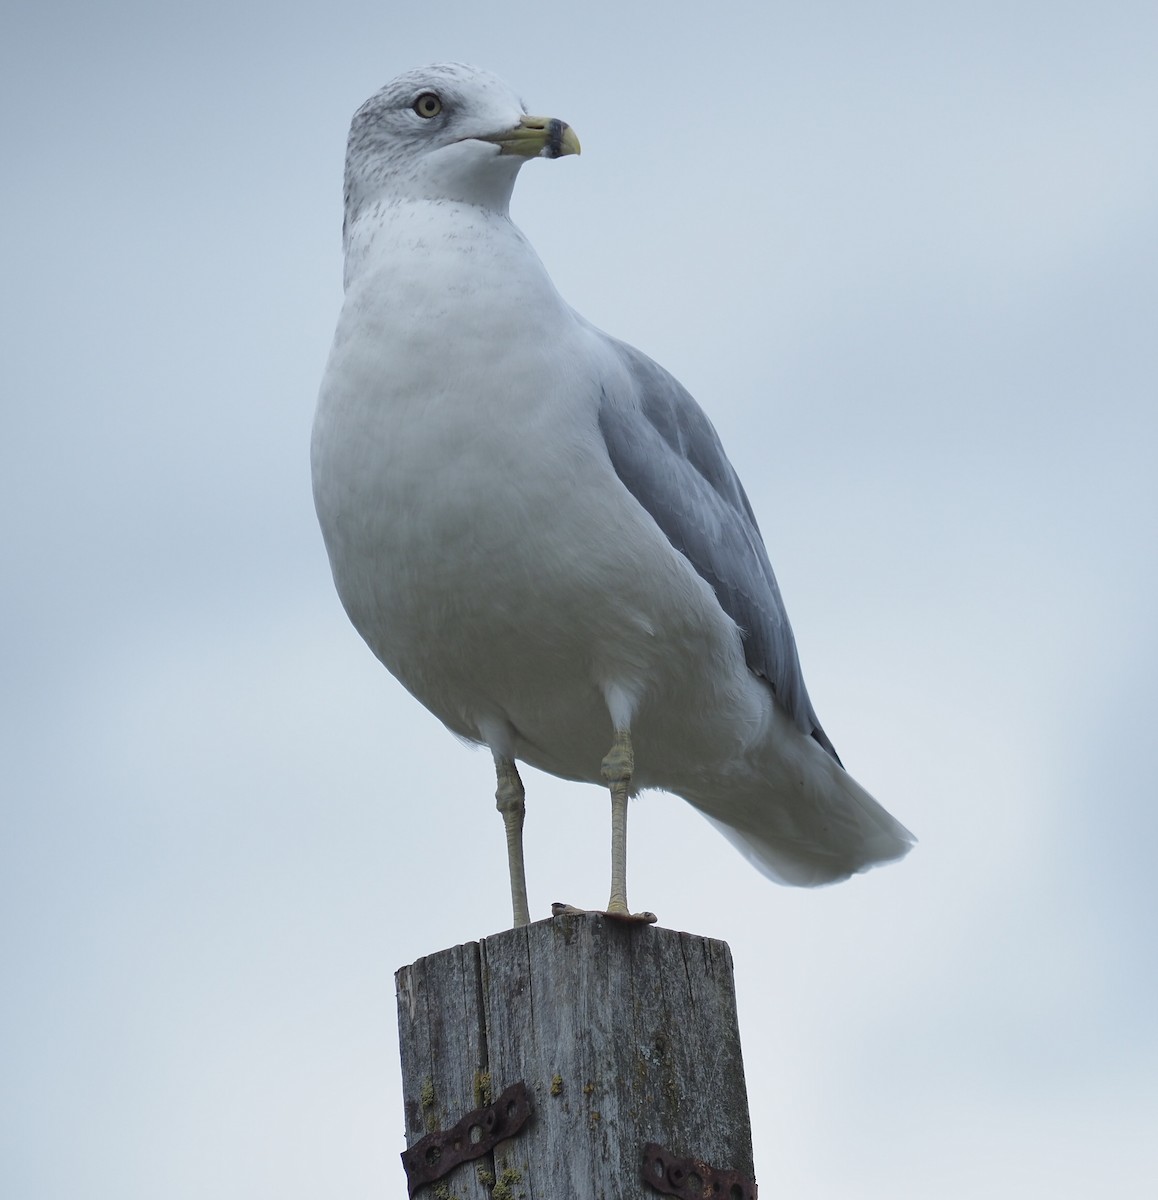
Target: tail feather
<point x="806" y="826"/>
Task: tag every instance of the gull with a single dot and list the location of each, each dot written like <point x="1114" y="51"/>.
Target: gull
<point x="536" y="528"/>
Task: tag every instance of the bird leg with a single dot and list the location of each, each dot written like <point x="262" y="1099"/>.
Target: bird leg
<point x="616" y="771"/>
<point x="509" y="797"/>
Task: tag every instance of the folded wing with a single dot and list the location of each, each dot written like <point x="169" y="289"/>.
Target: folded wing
<point x="667" y="454"/>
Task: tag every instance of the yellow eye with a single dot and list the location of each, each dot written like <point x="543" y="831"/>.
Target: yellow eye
<point x="427" y="105"/>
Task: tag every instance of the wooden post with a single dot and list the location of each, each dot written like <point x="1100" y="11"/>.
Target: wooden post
<point x="624" y="1035"/>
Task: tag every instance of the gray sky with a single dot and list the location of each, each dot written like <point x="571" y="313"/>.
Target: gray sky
<point x="905" y="256"/>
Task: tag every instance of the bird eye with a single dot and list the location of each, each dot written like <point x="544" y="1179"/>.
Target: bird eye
<point x="427" y="105"/>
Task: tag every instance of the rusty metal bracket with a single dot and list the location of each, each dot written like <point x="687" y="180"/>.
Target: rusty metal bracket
<point x="692" y="1178"/>
<point x="476" y="1134"/>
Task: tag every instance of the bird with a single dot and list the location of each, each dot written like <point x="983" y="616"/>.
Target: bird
<point x="535" y="527"/>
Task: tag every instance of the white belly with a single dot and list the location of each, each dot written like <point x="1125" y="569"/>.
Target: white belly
<point x="487" y="552"/>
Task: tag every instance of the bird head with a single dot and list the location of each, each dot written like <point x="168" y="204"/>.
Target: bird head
<point x="445" y="132"/>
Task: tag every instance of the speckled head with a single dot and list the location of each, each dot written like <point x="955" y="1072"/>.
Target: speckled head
<point x="445" y="132"/>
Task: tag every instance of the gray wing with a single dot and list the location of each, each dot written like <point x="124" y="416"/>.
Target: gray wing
<point x="667" y="454"/>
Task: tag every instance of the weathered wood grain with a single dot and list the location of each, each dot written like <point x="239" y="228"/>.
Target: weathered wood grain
<point x="624" y="1034"/>
<point x="444" y="1056"/>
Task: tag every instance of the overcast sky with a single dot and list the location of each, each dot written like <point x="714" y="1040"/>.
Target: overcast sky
<point x="906" y="256"/>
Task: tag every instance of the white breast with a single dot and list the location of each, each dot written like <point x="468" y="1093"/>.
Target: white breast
<point x="479" y="537"/>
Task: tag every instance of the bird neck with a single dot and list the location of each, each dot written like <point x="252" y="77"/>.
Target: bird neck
<point x="434" y="241"/>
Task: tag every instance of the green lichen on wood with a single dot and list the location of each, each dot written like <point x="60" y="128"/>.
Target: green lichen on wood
<point x="485" y="1175"/>
<point x="426" y="1098"/>
<point x="508" y="1181"/>
<point x="483" y="1093"/>
<point x="556" y="1084"/>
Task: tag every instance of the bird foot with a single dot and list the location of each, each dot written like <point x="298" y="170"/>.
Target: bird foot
<point x="559" y="909"/>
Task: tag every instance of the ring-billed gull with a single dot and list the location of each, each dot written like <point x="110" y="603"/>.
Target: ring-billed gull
<point x="535" y="527"/>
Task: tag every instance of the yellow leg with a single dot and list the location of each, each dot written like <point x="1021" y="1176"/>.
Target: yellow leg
<point x="616" y="771"/>
<point x="509" y="797"/>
